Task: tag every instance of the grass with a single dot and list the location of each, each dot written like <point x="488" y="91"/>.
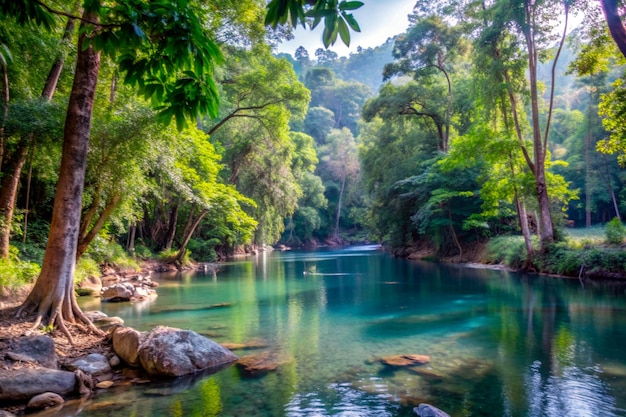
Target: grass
<point x="586" y="236"/>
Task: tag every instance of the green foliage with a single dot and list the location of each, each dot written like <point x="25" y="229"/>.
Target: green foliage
<point x="337" y="20"/>
<point x="15" y="273"/>
<point x="86" y="267"/>
<point x="612" y="108"/>
<point x="104" y="250"/>
<point x="143" y="252"/>
<point x="507" y="250"/>
<point x="564" y="259"/>
<point x="203" y="250"/>
<point x="47" y="328"/>
<point x="615" y="232"/>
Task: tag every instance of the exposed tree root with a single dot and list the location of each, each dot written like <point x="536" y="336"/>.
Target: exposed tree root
<point x="57" y="313"/>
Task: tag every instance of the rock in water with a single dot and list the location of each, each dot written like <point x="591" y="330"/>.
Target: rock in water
<point x="427" y="410"/>
<point x="173" y="352"/>
<point x="43" y="401"/>
<point x="23" y="384"/>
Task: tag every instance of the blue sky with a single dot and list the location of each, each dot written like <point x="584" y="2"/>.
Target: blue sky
<point x="378" y="19"/>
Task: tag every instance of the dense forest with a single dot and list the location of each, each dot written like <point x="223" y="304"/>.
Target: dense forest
<point x="481" y="120"/>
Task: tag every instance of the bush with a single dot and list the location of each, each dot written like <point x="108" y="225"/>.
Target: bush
<point x="104" y="251"/>
<point x="85" y="268"/>
<point x="15" y="273"/>
<point x="203" y="250"/>
<point x="615" y="232"/>
<point x="507" y="250"/>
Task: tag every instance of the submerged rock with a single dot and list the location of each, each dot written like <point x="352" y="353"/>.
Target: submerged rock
<point x="427" y="410"/>
<point x="173" y="352"/>
<point x="260" y="364"/>
<point x="405" y="360"/>
<point x="43" y="401"/>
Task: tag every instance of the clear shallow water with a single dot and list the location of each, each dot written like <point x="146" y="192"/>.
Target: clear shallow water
<point x="501" y="344"/>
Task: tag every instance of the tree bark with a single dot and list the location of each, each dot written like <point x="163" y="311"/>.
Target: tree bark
<point x="187" y="237"/>
<point x="343" y="185"/>
<point x="88" y="235"/>
<point x="8" y="194"/>
<point x="614" y="22"/>
<point x="171" y="229"/>
<point x="545" y="216"/>
<point x="53" y="294"/>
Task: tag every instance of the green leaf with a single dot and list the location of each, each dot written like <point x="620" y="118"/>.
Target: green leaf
<point x="344" y="32"/>
<point x="350" y="5"/>
<point x="354" y="25"/>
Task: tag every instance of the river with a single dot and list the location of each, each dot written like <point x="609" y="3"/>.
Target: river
<point x="500" y="343"/>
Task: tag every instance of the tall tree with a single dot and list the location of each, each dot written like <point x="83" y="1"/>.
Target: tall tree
<point x="173" y="66"/>
<point x="340" y="158"/>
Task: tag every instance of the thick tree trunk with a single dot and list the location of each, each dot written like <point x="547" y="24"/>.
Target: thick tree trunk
<point x="8" y="194"/>
<point x="53" y="293"/>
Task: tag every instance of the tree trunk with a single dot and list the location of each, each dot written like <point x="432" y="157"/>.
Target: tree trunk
<point x="5" y="106"/>
<point x="187" y="237"/>
<point x="130" y="243"/>
<point x="343" y="185"/>
<point x="523" y="221"/>
<point x="171" y="229"/>
<point x="53" y="294"/>
<point x="545" y="217"/>
<point x="614" y="22"/>
<point x="89" y="234"/>
<point x="8" y="194"/>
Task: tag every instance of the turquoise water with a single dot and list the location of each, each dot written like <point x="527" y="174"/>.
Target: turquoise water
<point x="501" y="344"/>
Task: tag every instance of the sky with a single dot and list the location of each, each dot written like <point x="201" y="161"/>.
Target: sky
<point x="378" y="19"/>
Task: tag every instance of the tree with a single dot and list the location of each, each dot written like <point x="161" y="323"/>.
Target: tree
<point x="340" y="157"/>
<point x="429" y="45"/>
<point x="261" y="96"/>
<point x="172" y="66"/>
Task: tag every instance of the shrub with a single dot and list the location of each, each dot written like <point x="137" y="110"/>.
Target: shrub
<point x="203" y="250"/>
<point x="85" y="268"/>
<point x="508" y="250"/>
<point x="615" y="232"/>
<point x="15" y="273"/>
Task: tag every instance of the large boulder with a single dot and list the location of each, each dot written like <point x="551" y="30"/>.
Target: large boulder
<point x="23" y="384"/>
<point x="91" y="285"/>
<point x="427" y="410"/>
<point x="173" y="352"/>
<point x="126" y="342"/>
<point x="118" y="292"/>
<point x="33" y="349"/>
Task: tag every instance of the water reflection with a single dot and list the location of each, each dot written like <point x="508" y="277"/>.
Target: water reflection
<point x="501" y="344"/>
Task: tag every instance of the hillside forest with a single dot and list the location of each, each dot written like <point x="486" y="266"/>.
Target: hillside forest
<point x="482" y="120"/>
